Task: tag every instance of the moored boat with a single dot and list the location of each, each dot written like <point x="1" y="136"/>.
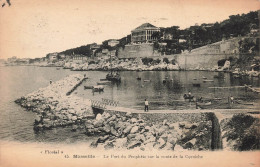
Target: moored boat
<point x="98" y="88"/>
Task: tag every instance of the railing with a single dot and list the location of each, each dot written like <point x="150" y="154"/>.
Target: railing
<point x="104" y="103"/>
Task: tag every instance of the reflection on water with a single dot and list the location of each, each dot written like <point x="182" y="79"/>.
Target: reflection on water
<point x="17" y="124"/>
<point x="165" y="89"/>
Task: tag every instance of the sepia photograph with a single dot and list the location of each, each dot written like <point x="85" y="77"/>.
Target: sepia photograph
<point x="129" y="83"/>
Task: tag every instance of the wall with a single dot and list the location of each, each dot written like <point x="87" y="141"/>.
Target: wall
<point x="137" y="50"/>
<point x="205" y="57"/>
<point x="208" y="56"/>
<point x="195" y="61"/>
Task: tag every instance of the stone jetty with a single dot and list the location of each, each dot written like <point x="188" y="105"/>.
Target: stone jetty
<point x="54" y="108"/>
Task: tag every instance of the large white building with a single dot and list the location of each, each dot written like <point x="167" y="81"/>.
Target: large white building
<point x="143" y="33"/>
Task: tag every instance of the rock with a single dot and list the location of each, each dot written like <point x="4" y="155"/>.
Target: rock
<point x="46" y="121"/>
<point x="149" y="146"/>
<point x="98" y="123"/>
<point x="102" y="139"/>
<point x="165" y="122"/>
<point x="177" y="147"/>
<point x="123" y="119"/>
<point x="128" y="114"/>
<point x="147" y="128"/>
<point x="190" y="126"/>
<point x="134" y="129"/>
<point x="131" y="136"/>
<point x="168" y="146"/>
<point x="89" y="126"/>
<point x="94" y="144"/>
<point x="140" y="137"/>
<point x="109" y="145"/>
<point x="133" y="120"/>
<point x="161" y="143"/>
<point x="127" y="129"/>
<point x="74" y="118"/>
<point x="106" y="129"/>
<point x="120" y="143"/>
<point x="188" y="145"/>
<point x="193" y="141"/>
<point x="69" y="116"/>
<point x="106" y="115"/>
<point x="171" y="139"/>
<point x="98" y="117"/>
<point x="182" y="124"/>
<point x="162" y="130"/>
<point x="120" y="124"/>
<point x="38" y="119"/>
<point x="74" y="127"/>
<point x="113" y="131"/>
<point x="113" y="118"/>
<point x="150" y="138"/>
<point x="171" y="126"/>
<point x="133" y="144"/>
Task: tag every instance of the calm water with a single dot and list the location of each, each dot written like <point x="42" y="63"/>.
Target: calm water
<point x="17" y="124"/>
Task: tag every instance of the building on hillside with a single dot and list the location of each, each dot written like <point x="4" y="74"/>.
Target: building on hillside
<point x="113" y="53"/>
<point x="112" y="42"/>
<point x="143" y="33"/>
<point x="79" y="58"/>
<point x="52" y="56"/>
<point x="182" y="40"/>
<point x="62" y="56"/>
<point x="12" y="59"/>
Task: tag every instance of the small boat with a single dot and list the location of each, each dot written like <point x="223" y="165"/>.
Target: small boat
<point x="204" y="77"/>
<point x="138" y="78"/>
<point x="204" y="105"/>
<point x="196" y="84"/>
<point x="208" y="80"/>
<point x="104" y="83"/>
<point x="98" y="88"/>
<point x="88" y="87"/>
<point x="186" y="96"/>
<point x="113" y="77"/>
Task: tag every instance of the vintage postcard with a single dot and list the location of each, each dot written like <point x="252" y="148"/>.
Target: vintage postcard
<point x="129" y="83"/>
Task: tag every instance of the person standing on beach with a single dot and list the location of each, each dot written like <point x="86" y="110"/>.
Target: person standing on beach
<point x="50" y="81"/>
<point x="146" y="105"/>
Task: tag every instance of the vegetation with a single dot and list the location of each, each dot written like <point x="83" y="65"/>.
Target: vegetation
<point x="147" y="60"/>
<point x="197" y="36"/>
<point x="243" y="131"/>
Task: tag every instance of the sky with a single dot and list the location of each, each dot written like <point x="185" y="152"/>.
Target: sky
<point x="33" y="28"/>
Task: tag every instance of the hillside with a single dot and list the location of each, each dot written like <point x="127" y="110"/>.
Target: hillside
<point x="192" y="37"/>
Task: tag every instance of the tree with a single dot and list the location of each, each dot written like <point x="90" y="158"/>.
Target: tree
<point x="166" y="60"/>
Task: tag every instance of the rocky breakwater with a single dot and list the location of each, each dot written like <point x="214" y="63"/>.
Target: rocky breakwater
<point x="54" y="108"/>
<point x="125" y="131"/>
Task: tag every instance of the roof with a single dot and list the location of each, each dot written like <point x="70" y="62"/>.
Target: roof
<point x="144" y="26"/>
